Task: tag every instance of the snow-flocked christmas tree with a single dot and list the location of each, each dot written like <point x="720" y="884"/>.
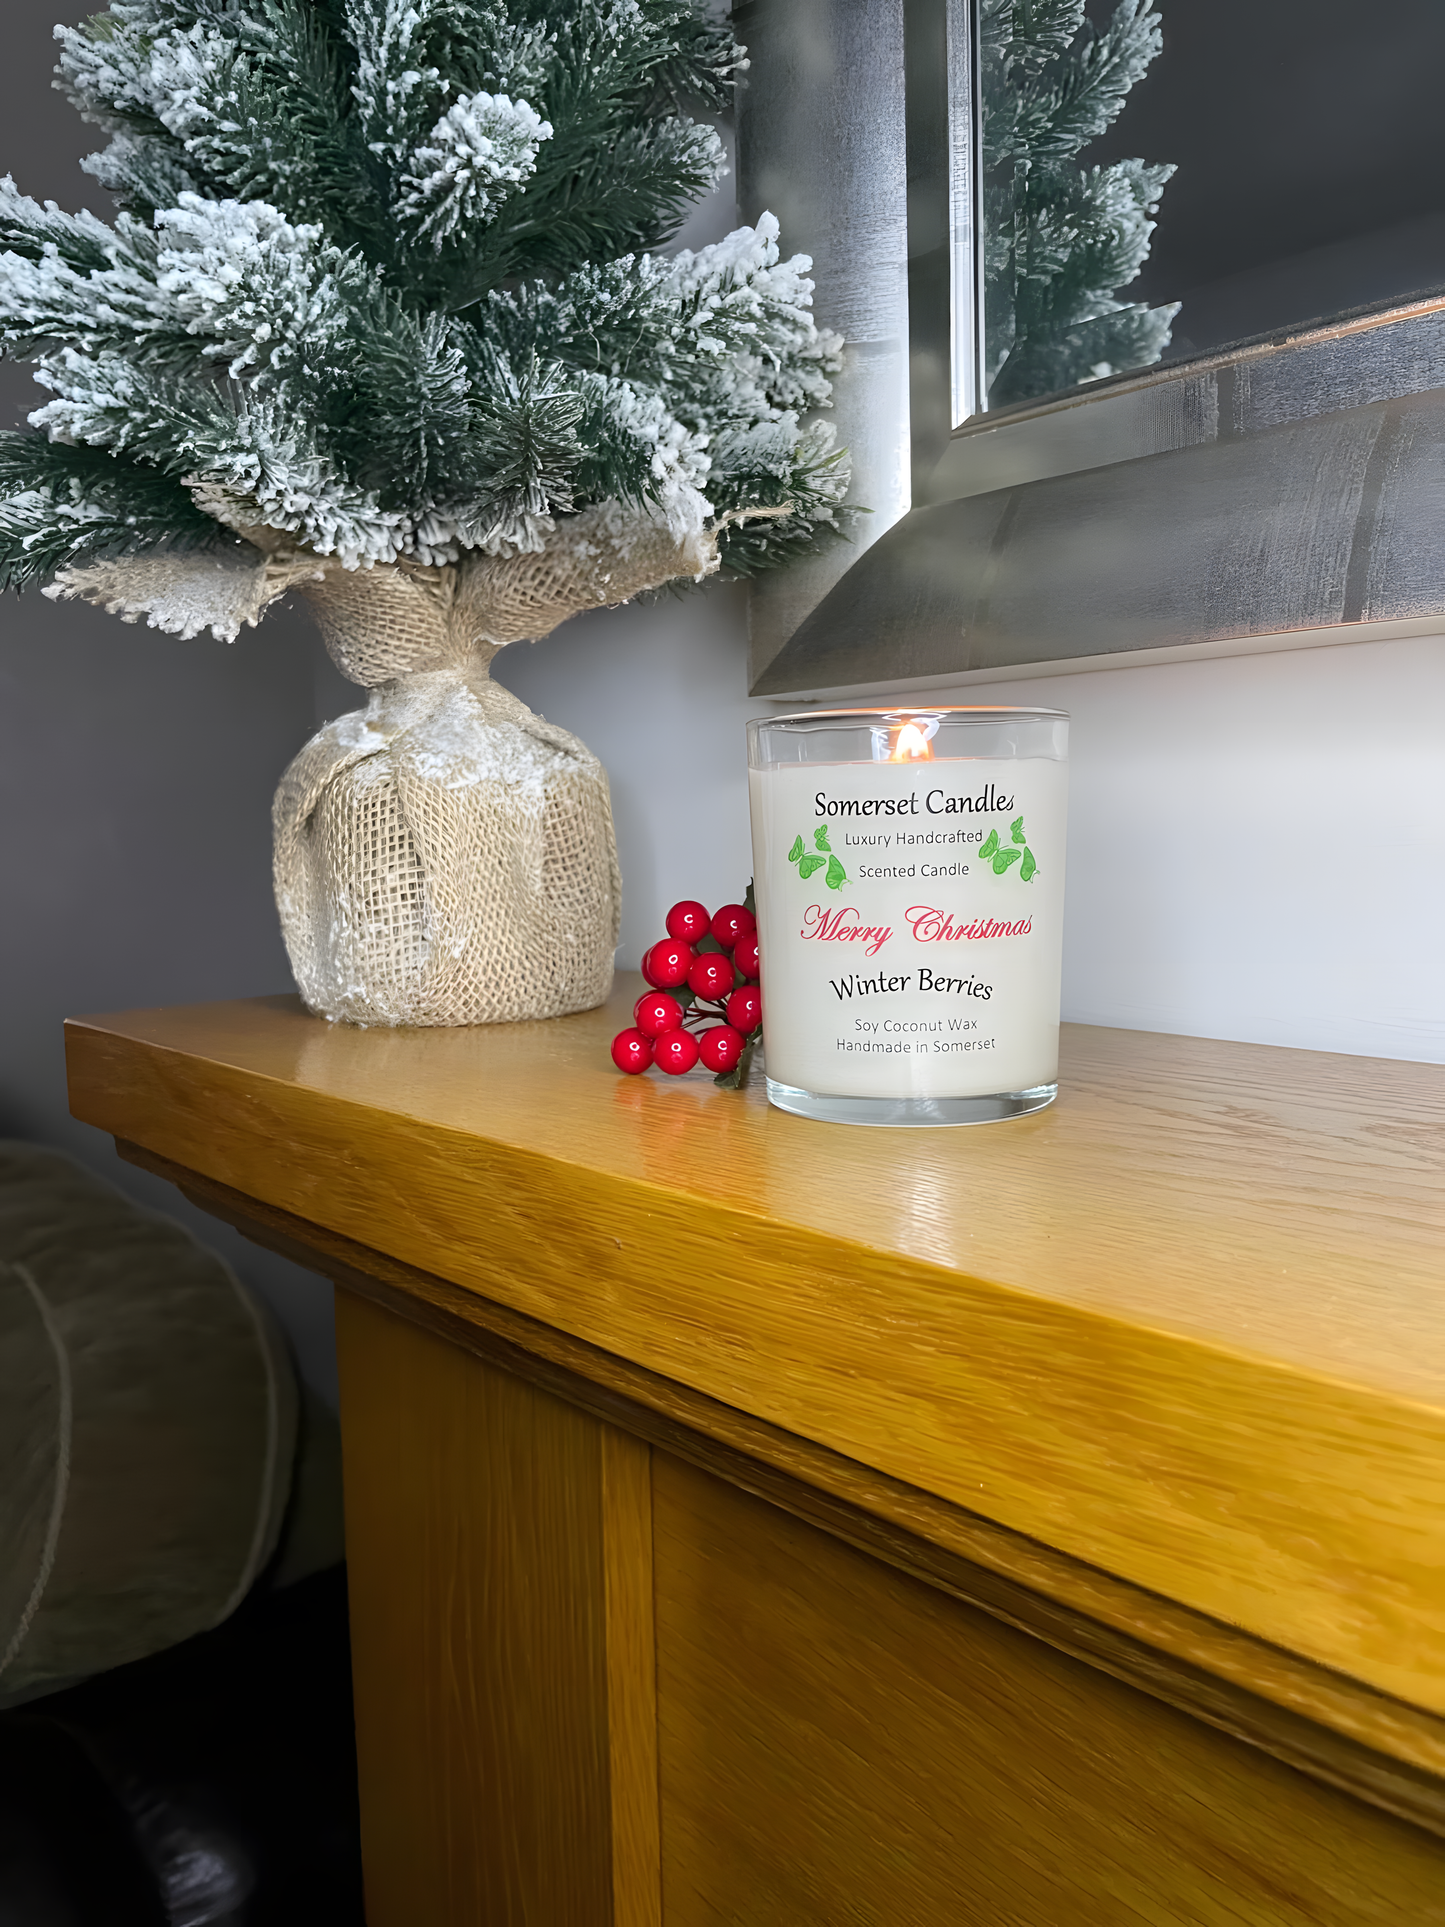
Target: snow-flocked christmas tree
<point x="382" y="290"/>
<point x="1061" y="240"/>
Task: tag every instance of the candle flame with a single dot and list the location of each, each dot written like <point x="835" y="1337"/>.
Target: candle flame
<point x="910" y="745"/>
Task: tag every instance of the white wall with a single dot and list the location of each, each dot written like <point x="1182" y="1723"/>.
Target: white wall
<point x="1257" y="846"/>
<point x="1256" y="843"/>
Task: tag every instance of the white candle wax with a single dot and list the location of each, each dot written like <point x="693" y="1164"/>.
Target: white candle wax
<point x="910" y="925"/>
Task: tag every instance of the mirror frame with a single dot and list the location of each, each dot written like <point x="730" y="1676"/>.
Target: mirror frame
<point x="1285" y="491"/>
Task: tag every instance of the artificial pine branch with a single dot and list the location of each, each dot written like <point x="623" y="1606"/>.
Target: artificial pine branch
<point x="39" y="537"/>
<point x="63" y="505"/>
<point x="807" y="481"/>
<point x="30" y="231"/>
<point x="281" y="129"/>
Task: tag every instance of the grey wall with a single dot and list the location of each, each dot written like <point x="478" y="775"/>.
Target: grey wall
<point x="136" y="774"/>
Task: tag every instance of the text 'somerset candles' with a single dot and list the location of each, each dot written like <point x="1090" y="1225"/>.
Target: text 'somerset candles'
<point x="909" y="878"/>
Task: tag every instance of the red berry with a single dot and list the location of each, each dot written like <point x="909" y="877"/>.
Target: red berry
<point x="676" y="1052"/>
<point x="655" y="1013"/>
<point x="687" y="921"/>
<point x="711" y="975"/>
<point x="721" y="1047"/>
<point x="732" y="922"/>
<point x="667" y="963"/>
<point x="631" y="1051"/>
<point x="745" y="955"/>
<point x="745" y="1008"/>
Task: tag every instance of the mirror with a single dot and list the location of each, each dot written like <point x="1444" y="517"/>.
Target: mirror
<point x="1175" y="326"/>
<point x="1159" y="181"/>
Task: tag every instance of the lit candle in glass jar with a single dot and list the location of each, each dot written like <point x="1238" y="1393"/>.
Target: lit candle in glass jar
<point x="909" y="869"/>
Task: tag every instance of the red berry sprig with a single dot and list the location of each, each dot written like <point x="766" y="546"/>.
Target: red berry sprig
<point x="706" y="1002"/>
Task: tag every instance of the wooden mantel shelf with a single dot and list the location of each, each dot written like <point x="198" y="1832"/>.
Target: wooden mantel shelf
<point x="1171" y="1352"/>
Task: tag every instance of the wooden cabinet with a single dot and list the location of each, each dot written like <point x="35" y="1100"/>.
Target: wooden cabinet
<point x="839" y="1742"/>
<point x="763" y="1523"/>
<point x="499" y="1551"/>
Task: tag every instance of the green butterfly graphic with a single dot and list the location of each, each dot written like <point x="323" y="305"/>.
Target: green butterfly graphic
<point x="809" y="861"/>
<point x="1003" y="855"/>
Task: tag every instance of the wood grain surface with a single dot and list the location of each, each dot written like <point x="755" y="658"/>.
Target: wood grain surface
<point x="498" y="1547"/>
<point x="631" y="1678"/>
<point x="842" y="1744"/>
<point x="1184" y="1327"/>
<point x="1330" y="1726"/>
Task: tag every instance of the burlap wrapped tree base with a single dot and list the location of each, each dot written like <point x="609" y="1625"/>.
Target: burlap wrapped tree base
<point x="446" y="857"/>
<point x="442" y="856"/>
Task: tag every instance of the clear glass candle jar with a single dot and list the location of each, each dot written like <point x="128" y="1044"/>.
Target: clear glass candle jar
<point x="909" y="877"/>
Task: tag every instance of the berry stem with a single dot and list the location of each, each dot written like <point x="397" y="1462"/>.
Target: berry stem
<point x="705" y="1012"/>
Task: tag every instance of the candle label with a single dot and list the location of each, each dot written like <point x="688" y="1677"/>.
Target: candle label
<point x="910" y="920"/>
